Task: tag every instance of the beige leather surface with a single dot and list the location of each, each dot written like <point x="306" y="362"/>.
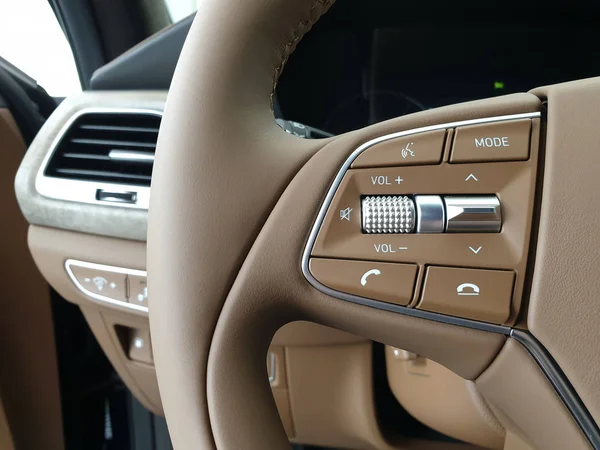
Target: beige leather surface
<point x="308" y="334"/>
<point x="221" y="165"/>
<point x="139" y="378"/>
<point x="332" y="400"/>
<point x="442" y="400"/>
<point x="219" y="108"/>
<point x="564" y="310"/>
<point x="331" y="396"/>
<point x="526" y="403"/>
<point x="514" y="442"/>
<point x="29" y="386"/>
<point x="51" y="247"/>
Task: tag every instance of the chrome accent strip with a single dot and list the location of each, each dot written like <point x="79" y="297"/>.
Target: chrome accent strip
<point x="125" y="155"/>
<point x="85" y="191"/>
<point x="374" y="303"/>
<point x="272" y="367"/>
<point x="561" y="385"/>
<point x="431" y="215"/>
<point x="114" y="269"/>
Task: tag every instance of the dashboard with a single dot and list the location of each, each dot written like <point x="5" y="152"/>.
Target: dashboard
<point x="357" y="68"/>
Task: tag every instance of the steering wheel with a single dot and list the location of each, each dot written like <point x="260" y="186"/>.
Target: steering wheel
<point x="244" y="220"/>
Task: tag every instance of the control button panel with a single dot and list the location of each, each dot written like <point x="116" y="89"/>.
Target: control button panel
<point x="341" y="233"/>
<point x="392" y="283"/>
<point x="102" y="282"/>
<point x="501" y="141"/>
<point x="422" y="148"/>
<point x="110" y="284"/>
<point x="472" y="293"/>
<point x="470" y="210"/>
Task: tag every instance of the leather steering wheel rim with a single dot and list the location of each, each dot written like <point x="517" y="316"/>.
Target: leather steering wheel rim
<point x="233" y="200"/>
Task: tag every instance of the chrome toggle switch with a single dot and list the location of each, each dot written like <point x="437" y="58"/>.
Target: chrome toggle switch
<point x="425" y="214"/>
<point x="431" y="216"/>
<point x="399" y="214"/>
<point x="473" y="214"/>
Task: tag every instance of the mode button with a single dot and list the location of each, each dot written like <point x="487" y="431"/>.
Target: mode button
<point x="499" y="141"/>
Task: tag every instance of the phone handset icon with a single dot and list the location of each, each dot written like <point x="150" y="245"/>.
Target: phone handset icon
<point x="467" y="289"/>
<point x="367" y="274"/>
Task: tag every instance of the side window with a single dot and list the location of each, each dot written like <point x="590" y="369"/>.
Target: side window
<point x="32" y="40"/>
<point x="178" y="9"/>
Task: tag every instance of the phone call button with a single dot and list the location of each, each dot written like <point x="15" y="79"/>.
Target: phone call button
<point x="388" y="282"/>
<point x="470" y="293"/>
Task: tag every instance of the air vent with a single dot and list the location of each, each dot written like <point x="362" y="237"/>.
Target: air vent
<point x="107" y="147"/>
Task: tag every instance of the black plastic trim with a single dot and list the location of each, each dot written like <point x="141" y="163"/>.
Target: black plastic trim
<point x="148" y="65"/>
<point x="78" y="23"/>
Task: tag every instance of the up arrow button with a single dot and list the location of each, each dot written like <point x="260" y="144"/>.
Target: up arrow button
<point x="471" y="177"/>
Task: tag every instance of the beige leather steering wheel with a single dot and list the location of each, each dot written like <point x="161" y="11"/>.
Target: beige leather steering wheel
<point x="237" y="204"/>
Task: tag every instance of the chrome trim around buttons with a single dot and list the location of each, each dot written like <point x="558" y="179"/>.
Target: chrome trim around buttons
<point x="85" y="191"/>
<point x="329" y="197"/>
<point x="114" y="269"/>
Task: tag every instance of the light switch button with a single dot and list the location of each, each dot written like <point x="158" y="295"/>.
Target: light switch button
<point x="101" y="282"/>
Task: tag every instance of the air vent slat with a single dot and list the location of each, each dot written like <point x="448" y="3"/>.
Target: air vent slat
<point x="118" y="128"/>
<point x="112" y="143"/>
<point x="86" y="156"/>
<point x="99" y="173"/>
<point x="107" y="147"/>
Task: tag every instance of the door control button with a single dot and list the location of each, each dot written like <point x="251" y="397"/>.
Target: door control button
<point x="500" y="141"/>
<point x="470" y="293"/>
<point x="430" y="214"/>
<point x="479" y="214"/>
<point x="392" y="283"/>
<point x="138" y="290"/>
<point x="101" y="282"/>
<point x="415" y="149"/>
